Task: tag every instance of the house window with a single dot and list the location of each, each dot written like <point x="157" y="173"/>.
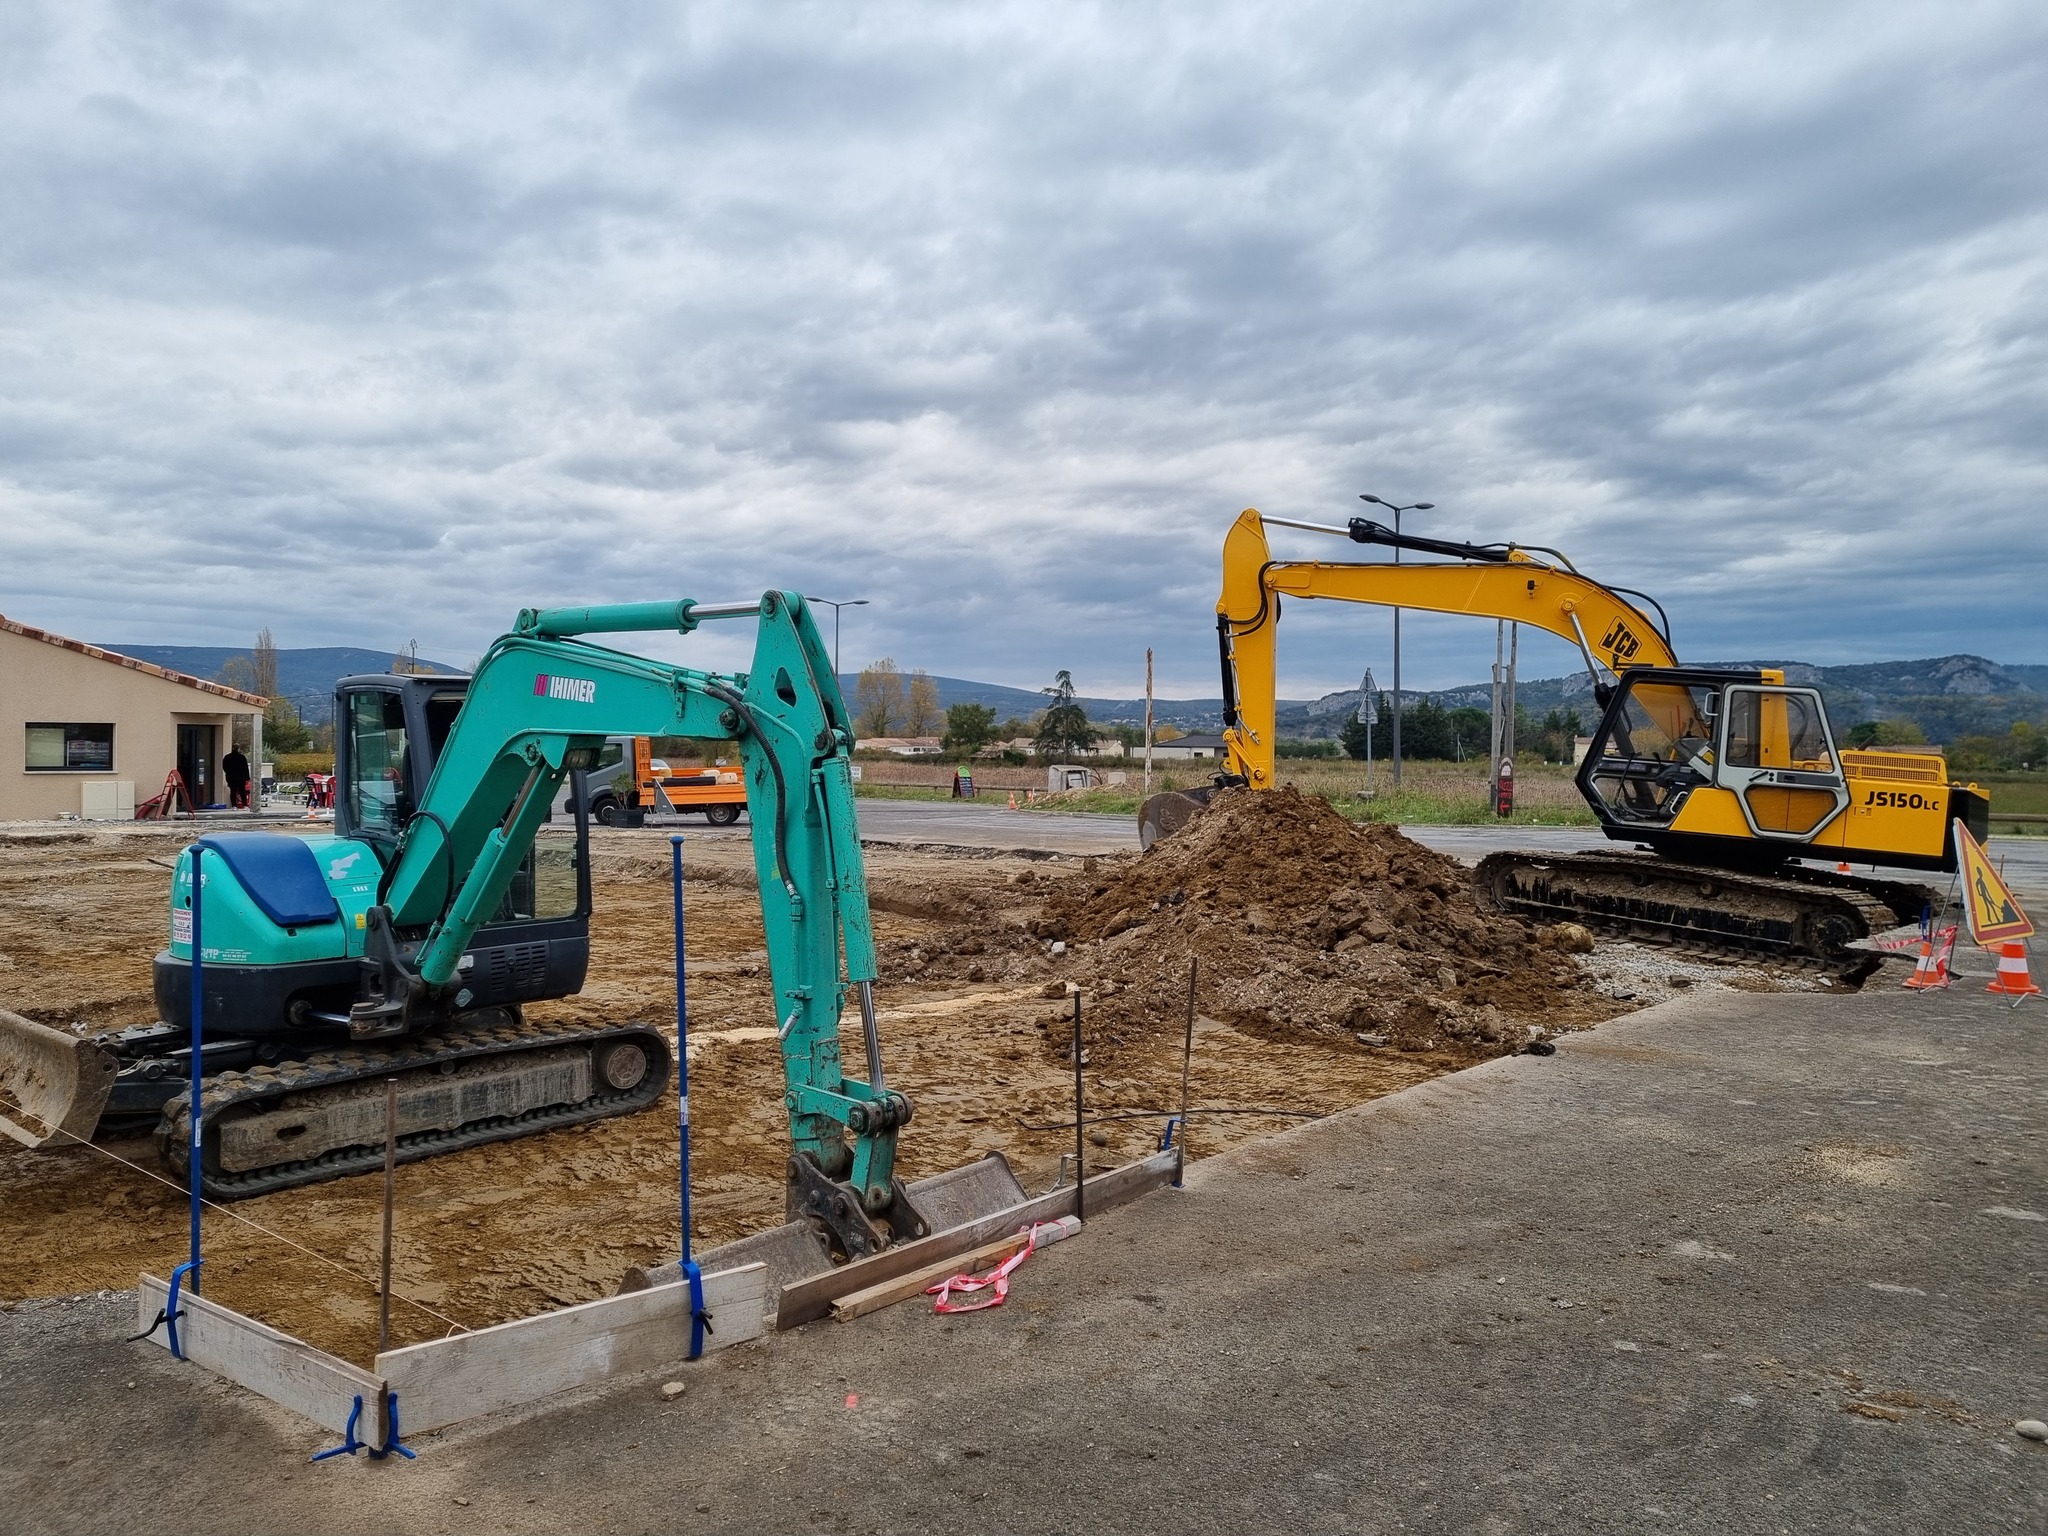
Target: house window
<point x="69" y="749"/>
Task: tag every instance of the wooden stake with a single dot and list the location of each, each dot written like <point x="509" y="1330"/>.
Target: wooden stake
<point x="390" y="1168"/>
<point x="1148" y="719"/>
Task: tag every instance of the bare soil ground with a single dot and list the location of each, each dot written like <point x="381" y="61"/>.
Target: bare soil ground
<point x="975" y="1004"/>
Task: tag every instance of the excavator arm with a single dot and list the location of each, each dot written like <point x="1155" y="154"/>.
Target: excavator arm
<point x="1493" y="581"/>
<point x="539" y="706"/>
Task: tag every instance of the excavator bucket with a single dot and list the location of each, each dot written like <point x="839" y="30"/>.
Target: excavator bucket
<point x="53" y="1084"/>
<point x="1168" y="813"/>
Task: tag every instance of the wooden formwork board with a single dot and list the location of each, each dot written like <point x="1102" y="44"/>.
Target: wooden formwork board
<point x="275" y="1365"/>
<point x="808" y="1300"/>
<point x="448" y="1380"/>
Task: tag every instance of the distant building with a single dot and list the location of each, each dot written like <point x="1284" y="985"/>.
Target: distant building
<point x="89" y="732"/>
<point x="900" y="746"/>
<point x="1105" y="746"/>
<point x="1182" y="748"/>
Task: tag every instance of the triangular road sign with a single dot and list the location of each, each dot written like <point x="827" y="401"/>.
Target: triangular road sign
<point x="1995" y="917"/>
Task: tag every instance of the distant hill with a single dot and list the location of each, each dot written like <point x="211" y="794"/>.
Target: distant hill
<point x="1948" y="696"/>
<point x="305" y="676"/>
<point x="1022" y="703"/>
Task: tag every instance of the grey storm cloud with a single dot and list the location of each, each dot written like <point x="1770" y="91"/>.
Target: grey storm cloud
<point x="377" y="323"/>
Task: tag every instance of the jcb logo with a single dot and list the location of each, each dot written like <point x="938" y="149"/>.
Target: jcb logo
<point x="1620" y="642"/>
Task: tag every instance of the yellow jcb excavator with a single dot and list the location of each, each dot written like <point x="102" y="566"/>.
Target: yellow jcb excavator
<point x="1727" y="777"/>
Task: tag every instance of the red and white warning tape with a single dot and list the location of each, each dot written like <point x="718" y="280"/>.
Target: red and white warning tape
<point x="997" y="1280"/>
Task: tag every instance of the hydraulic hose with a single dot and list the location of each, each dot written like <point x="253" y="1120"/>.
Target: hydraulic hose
<point x="726" y="696"/>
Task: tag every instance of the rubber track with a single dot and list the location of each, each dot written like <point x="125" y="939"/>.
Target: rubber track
<point x="1640" y="894"/>
<point x="227" y="1091"/>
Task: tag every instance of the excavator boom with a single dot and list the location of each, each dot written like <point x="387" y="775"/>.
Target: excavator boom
<point x="1729" y="775"/>
<point x="1503" y="583"/>
<point x="404" y="945"/>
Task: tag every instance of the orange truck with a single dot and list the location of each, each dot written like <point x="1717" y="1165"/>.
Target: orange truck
<point x="652" y="788"/>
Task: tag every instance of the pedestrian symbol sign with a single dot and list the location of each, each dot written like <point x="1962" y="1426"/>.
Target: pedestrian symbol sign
<point x="1995" y="917"/>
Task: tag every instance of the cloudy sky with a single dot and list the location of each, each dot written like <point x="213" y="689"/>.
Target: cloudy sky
<point x="375" y="323"/>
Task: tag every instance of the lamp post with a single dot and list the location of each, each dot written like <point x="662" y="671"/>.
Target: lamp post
<point x="1413" y="506"/>
<point x="849" y="602"/>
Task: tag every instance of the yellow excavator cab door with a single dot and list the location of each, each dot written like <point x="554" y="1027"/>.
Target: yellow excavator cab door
<point x="1653" y="748"/>
<point x="1778" y="756"/>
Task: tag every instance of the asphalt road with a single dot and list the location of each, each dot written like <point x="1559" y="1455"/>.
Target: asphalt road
<point x="991" y="825"/>
<point x="1733" y="1264"/>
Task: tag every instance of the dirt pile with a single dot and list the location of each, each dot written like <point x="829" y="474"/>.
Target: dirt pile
<point x="1304" y="921"/>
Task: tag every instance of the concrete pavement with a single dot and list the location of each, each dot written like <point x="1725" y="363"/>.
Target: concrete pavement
<point x="1733" y="1264"/>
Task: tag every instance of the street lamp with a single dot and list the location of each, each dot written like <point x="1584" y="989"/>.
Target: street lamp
<point x="1413" y="506"/>
<point x="850" y="602"/>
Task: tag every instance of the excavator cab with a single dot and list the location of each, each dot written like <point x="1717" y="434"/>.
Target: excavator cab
<point x="537" y="943"/>
<point x="1686" y="752"/>
<point x="1655" y="745"/>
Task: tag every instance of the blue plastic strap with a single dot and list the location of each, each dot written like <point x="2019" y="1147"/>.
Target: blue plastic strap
<point x="171" y="1312"/>
<point x="700" y="1320"/>
<point x="349" y="1443"/>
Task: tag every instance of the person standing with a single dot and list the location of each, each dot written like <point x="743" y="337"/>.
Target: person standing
<point x="235" y="769"/>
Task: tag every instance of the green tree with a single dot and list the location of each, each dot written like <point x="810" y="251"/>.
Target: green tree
<point x="1895" y="732"/>
<point x="969" y="728"/>
<point x="1471" y="732"/>
<point x="1063" y="728"/>
<point x="1555" y="739"/>
<point x="878" y="698"/>
<point x="1426" y="732"/>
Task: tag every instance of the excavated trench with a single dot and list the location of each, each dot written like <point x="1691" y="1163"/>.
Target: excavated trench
<point x="1337" y="964"/>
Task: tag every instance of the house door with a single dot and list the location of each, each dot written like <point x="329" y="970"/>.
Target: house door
<point x="197" y="746"/>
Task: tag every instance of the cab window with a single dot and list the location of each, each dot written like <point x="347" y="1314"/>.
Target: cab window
<point x="379" y="790"/>
<point x="1769" y="728"/>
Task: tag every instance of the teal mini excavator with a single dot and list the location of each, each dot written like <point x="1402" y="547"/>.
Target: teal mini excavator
<point x="405" y="944"/>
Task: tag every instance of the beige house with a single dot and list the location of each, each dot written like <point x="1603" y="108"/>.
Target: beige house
<point x="87" y="732"/>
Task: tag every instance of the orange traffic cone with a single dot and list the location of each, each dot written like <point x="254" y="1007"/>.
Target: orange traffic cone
<point x="1931" y="970"/>
<point x="1843" y="868"/>
<point x="1013" y="799"/>
<point x="2012" y="979"/>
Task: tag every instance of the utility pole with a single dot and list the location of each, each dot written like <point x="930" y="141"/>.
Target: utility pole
<point x="1500" y="642"/>
<point x="1148" y="728"/>
<point x="1508" y="719"/>
<point x="850" y="602"/>
<point x="1368" y="716"/>
<point x="1414" y="506"/>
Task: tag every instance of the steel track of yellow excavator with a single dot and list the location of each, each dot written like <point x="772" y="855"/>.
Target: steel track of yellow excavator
<point x="1792" y="916"/>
